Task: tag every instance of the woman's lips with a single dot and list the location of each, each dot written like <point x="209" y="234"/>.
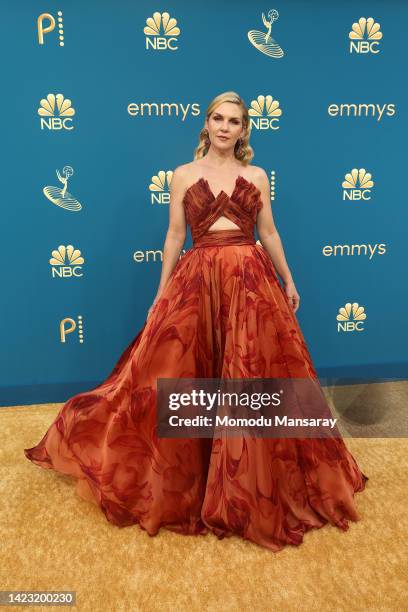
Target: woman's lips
<point x="223" y="137"/>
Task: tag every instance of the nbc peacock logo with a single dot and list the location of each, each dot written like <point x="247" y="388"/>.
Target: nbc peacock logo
<point x="265" y="113"/>
<point x="351" y="317"/>
<point x="62" y="197"/>
<point x="56" y="112"/>
<point x="160" y="186"/>
<point x="365" y="36"/>
<point x="263" y="41"/>
<point x="66" y="262"/>
<point x="68" y="326"/>
<point x="161" y="32"/>
<point x="47" y="23"/>
<point x="357" y="185"/>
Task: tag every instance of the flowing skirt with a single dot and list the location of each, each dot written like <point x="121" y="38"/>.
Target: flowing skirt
<point x="223" y="313"/>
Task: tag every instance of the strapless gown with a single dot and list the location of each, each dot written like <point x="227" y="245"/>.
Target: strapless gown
<point x="223" y="313"/>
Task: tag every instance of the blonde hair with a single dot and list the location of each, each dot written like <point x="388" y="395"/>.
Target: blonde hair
<point x="243" y="150"/>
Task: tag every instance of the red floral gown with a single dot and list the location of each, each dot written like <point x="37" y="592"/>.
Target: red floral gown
<point x="223" y="313"/>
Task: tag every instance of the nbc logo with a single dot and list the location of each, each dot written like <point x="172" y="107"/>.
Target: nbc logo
<point x="66" y="262"/>
<point x="46" y="23"/>
<point x="265" y="113"/>
<point x="263" y="41"/>
<point x="159" y="190"/>
<point x="351" y="317"/>
<point x="161" y="32"/>
<point x="56" y="112"/>
<point x="364" y="36"/>
<point x="357" y="185"/>
<point x="68" y="326"/>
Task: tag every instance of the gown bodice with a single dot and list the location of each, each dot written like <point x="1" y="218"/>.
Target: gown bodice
<point x="202" y="208"/>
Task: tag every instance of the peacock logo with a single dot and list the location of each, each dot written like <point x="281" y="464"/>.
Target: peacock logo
<point x="357" y="185"/>
<point x="62" y="197"/>
<point x="351" y="317"/>
<point x="161" y="32"/>
<point x="272" y="183"/>
<point x="365" y="36"/>
<point x="56" y="112"/>
<point x="263" y="41"/>
<point x="66" y="262"/>
<point x="265" y="113"/>
<point x="159" y="187"/>
<point x="69" y="325"/>
<point x="46" y="23"/>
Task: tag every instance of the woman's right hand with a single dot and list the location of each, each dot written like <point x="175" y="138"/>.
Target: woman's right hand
<point x="149" y="312"/>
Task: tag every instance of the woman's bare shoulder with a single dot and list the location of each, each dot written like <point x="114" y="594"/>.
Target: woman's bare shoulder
<point x="257" y="175"/>
<point x="188" y="172"/>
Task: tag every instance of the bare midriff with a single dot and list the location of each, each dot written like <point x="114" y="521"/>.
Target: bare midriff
<point x="222" y="223"/>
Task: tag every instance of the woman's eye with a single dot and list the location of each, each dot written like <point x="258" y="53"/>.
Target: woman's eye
<point x="234" y="121"/>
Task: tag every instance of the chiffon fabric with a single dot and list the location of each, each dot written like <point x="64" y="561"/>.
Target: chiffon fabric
<point x="223" y="313"/>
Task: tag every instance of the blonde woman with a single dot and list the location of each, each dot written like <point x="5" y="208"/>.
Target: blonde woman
<point x="220" y="312"/>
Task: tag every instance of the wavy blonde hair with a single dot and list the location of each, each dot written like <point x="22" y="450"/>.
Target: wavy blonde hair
<point x="243" y="151"/>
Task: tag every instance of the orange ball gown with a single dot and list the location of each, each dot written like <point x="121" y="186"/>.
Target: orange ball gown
<point x="223" y="313"/>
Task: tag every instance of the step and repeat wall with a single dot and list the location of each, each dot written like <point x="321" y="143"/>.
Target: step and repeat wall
<point x="105" y="100"/>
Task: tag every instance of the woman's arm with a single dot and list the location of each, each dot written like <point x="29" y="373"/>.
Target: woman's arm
<point x="270" y="239"/>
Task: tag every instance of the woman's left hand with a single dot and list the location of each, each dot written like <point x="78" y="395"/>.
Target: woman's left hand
<point x="292" y="295"/>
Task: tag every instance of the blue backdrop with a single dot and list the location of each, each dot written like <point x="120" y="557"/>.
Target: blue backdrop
<point x="112" y="95"/>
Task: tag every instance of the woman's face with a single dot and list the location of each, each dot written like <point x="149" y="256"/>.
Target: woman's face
<point x="225" y="125"/>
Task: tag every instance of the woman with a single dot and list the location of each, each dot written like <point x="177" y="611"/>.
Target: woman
<point x="220" y="311"/>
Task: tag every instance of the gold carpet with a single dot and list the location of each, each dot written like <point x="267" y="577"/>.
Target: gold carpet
<point x="53" y="540"/>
